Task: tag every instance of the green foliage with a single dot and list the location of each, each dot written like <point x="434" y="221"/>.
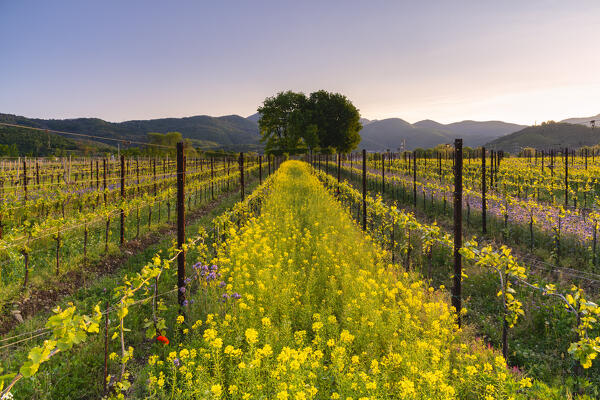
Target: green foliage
<point x="291" y="122"/>
<point x="77" y="374"/>
<point x="282" y="119"/>
<point x="68" y="329"/>
<point x="168" y="143"/>
<point x="15" y="142"/>
<point x="336" y="120"/>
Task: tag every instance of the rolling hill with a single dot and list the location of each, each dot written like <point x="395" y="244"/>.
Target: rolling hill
<point x="230" y="132"/>
<point x="235" y="133"/>
<point x="15" y="142"/>
<point x="583" y="121"/>
<point x="254" y="117"/>
<point x="548" y="135"/>
<point x="390" y="133"/>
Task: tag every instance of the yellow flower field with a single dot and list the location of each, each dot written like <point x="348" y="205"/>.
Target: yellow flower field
<point x="308" y="307"/>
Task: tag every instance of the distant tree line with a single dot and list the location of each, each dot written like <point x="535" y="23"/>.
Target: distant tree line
<point x="446" y="150"/>
<point x="294" y="123"/>
<point x="15" y="142"/>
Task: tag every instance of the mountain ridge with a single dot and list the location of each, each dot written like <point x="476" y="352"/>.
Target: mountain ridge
<point x="394" y="133"/>
<point x="551" y="135"/>
<point x="236" y="133"/>
<point x="229" y="132"/>
<point x="583" y="120"/>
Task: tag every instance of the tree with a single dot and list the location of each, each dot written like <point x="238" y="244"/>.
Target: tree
<point x="166" y="143"/>
<point x="290" y="122"/>
<point x="336" y="119"/>
<point x="282" y="120"/>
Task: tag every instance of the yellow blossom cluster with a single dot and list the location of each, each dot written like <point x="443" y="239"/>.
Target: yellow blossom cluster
<point x="321" y="314"/>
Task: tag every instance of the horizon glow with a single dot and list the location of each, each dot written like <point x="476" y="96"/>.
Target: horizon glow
<point x="521" y="62"/>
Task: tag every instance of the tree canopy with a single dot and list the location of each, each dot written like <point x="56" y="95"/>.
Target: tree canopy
<point x="291" y="122"/>
<point x="168" y="143"/>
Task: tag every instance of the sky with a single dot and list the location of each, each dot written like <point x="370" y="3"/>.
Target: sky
<point x="516" y="61"/>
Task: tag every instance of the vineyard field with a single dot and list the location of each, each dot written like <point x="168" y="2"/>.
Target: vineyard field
<point x="305" y="288"/>
<point x="558" y="257"/>
<point x="295" y="201"/>
<point x="320" y="314"/>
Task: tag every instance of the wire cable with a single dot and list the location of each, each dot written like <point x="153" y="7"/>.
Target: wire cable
<point x="85" y="135"/>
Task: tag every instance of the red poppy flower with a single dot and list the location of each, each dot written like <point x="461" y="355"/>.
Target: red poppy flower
<point x="162" y="339"/>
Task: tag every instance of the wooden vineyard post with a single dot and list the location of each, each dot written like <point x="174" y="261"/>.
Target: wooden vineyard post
<point x="543" y="152"/>
<point x="566" y="177"/>
<point x="364" y="189"/>
<point x="483" y="198"/>
<point x="57" y="253"/>
<point x="137" y="208"/>
<point x="504" y="321"/>
<point x="414" y="154"/>
<point x="259" y="170"/>
<point x="180" y="226"/>
<point x="122" y="199"/>
<point x="491" y="169"/>
<point x="25" y="178"/>
<point x="339" y="160"/>
<point x="456" y="289"/>
<point x="241" y="162"/>
<point x="154" y="176"/>
<point x="439" y="157"/>
<point x="91" y="173"/>
<point x="212" y="175"/>
<point x="37" y="171"/>
<point x="104" y="169"/>
<point x="228" y="179"/>
<point x="382" y="174"/>
<point x="26" y="259"/>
